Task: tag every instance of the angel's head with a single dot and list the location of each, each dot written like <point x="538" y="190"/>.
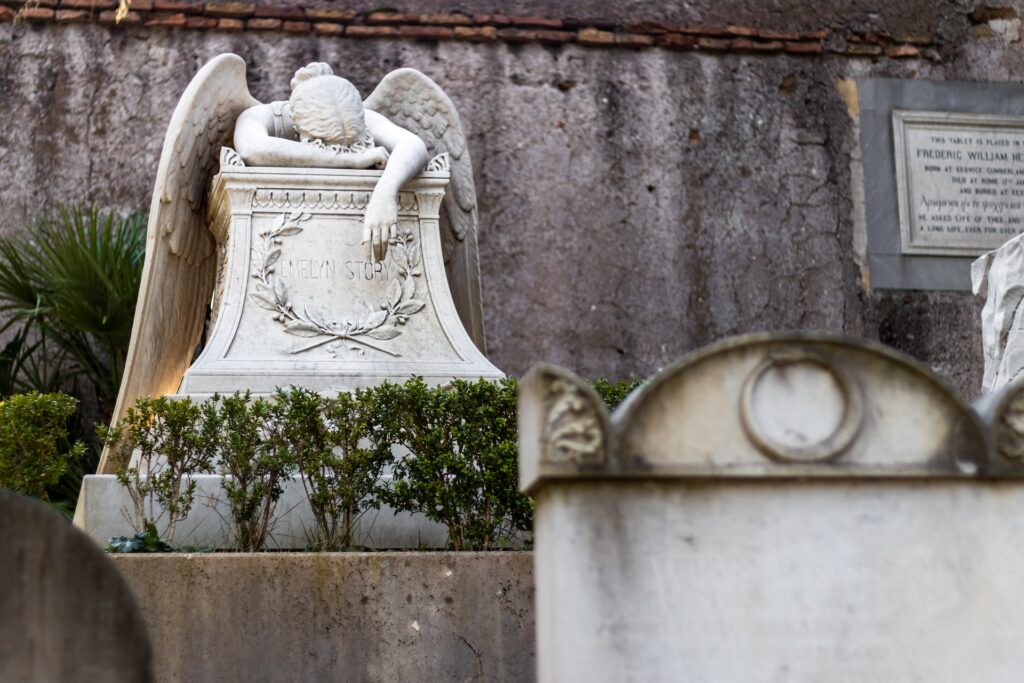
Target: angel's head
<point x="326" y="107"/>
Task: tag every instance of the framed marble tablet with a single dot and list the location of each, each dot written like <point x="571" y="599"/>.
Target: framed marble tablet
<point x="959" y="179"/>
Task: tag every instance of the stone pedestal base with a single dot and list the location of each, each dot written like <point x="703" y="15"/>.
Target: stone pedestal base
<point x="103" y="501"/>
<point x="299" y="302"/>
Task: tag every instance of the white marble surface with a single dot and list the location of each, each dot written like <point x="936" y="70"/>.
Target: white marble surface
<point x="959" y="194"/>
<point x="774" y="507"/>
<point x="103" y="500"/>
<point x="785" y="581"/>
<point x="298" y="302"/>
<point x="997" y="279"/>
<point x="756" y="406"/>
<point x="408" y="125"/>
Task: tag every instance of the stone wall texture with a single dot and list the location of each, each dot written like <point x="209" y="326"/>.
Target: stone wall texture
<point x="652" y="176"/>
<point x="271" y="617"/>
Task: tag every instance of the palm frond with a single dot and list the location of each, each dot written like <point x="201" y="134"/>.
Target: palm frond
<point x="74" y="279"/>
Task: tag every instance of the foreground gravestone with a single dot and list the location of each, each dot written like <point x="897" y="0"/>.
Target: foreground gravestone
<point x="66" y="613"/>
<point x="331" y="251"/>
<point x="775" y="508"/>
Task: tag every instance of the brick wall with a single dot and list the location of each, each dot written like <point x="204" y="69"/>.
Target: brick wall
<point x="292" y="18"/>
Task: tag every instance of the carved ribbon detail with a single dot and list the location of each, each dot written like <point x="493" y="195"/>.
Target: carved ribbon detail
<point x="572" y="430"/>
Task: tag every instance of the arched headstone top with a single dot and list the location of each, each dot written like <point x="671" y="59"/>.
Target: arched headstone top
<point x="779" y="405"/>
<point x="68" y="613"/>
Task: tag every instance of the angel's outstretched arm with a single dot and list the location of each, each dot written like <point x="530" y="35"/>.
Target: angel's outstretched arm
<point x="258" y="147"/>
<point x="408" y="157"/>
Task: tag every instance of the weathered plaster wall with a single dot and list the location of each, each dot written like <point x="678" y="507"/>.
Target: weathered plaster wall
<point x="635" y="204"/>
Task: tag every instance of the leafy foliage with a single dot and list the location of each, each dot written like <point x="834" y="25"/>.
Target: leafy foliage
<point x="614" y="393"/>
<point x="339" y="455"/>
<point x="254" y="469"/>
<point x="156" y="448"/>
<point x="25" y="366"/>
<point x="69" y="286"/>
<point x="67" y="301"/>
<point x="461" y="466"/>
<point x="146" y="541"/>
<point x="34" y="452"/>
<point x="456" y="463"/>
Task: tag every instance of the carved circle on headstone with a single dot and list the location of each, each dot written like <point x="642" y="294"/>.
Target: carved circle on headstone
<point x="800" y="408"/>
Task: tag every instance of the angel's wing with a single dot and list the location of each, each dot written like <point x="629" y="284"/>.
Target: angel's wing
<point x="178" y="275"/>
<point x="413" y="101"/>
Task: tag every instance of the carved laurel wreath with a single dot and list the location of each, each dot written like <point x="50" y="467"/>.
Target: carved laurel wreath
<point x="380" y="323"/>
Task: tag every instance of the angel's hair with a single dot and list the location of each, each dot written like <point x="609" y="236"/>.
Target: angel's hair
<point x="311" y="70"/>
<point x="326" y="107"/>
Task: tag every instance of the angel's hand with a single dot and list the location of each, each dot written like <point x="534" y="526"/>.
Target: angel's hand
<point x="379" y="226"/>
<point x="378" y="157"/>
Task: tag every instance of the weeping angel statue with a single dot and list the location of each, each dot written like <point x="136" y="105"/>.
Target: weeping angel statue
<point x="324" y="124"/>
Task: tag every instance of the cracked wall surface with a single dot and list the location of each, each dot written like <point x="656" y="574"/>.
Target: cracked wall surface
<point x="634" y="205"/>
<point x="383" y="616"/>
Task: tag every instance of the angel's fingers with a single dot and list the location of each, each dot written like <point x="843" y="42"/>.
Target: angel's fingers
<point x="377" y="238"/>
<point x="367" y="245"/>
<point x="393" y="232"/>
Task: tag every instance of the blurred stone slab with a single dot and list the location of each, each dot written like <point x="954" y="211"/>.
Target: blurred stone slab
<point x="431" y="617"/>
<point x="773" y="507"/>
<point x="775" y="406"/>
<point x="1003" y="412"/>
<point x="798" y="582"/>
<point x="103" y="501"/>
<point x="67" y="613"/>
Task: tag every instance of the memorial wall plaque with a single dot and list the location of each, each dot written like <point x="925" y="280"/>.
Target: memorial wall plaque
<point x="960" y="181"/>
<point x="909" y="252"/>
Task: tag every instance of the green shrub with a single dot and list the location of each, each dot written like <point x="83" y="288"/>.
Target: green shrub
<point x="68" y="286"/>
<point x="254" y="470"/>
<point x="457" y="462"/>
<point x="461" y="466"/>
<point x="614" y="393"/>
<point x="343" y="480"/>
<point x="156" y="448"/>
<point x="339" y="456"/>
<point x="339" y="462"/>
<point x="33" y="436"/>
